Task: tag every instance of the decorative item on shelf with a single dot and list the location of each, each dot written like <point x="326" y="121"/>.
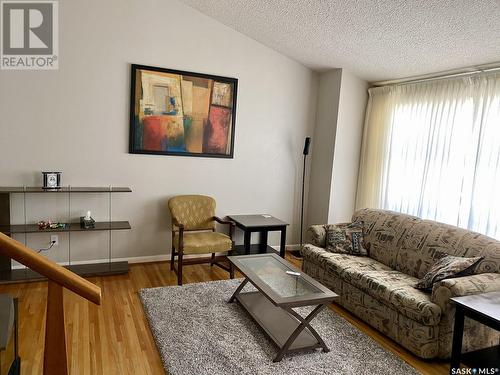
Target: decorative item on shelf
<point x="51" y="180"/>
<point x="181" y="113"/>
<point x="42" y="225"/>
<point x="305" y="152"/>
<point x="86" y="222"/>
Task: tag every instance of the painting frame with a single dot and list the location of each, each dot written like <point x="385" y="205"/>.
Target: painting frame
<point x="221" y="109"/>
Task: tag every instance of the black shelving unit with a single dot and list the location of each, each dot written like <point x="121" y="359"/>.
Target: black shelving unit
<point x="10" y="275"/>
<point x="71" y="227"/>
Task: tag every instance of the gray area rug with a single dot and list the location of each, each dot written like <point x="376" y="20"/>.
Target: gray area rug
<point x="198" y="332"/>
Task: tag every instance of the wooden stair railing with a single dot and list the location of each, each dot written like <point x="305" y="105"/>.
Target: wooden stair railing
<point x="55" y="360"/>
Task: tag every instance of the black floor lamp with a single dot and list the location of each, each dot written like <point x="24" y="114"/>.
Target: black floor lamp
<point x="307" y="143"/>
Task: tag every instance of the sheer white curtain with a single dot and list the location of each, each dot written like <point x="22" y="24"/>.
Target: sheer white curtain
<point x="432" y="149"/>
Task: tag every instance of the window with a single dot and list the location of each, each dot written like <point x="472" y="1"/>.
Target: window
<point x="433" y="150"/>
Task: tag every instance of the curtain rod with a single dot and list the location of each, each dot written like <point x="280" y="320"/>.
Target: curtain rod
<point x="441" y="75"/>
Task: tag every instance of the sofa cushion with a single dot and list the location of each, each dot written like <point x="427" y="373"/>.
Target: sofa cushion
<point x="395" y="289"/>
<point x="338" y="263"/>
<point x="345" y="238"/>
<point x="383" y="231"/>
<point x="412" y="245"/>
<point x="447" y="267"/>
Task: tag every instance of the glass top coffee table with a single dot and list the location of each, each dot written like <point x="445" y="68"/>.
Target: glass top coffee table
<point x="281" y="287"/>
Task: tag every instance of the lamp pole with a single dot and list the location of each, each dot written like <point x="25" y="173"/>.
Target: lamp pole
<point x="307" y="143"/>
<point x="302" y="200"/>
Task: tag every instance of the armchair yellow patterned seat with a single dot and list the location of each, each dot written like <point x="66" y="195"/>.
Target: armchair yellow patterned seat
<point x="193" y="232"/>
<point x="202" y="243"/>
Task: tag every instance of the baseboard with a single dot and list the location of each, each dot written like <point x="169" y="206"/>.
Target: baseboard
<point x="145" y="259"/>
<point x="149" y="258"/>
<point x="131" y="260"/>
<point x="291" y="247"/>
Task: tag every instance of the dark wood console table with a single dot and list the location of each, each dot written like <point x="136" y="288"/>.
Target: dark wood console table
<point x="262" y="224"/>
<point x="72" y="224"/>
<point x="485" y="309"/>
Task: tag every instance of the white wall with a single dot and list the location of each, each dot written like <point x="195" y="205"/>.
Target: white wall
<point x="76" y="120"/>
<point x="350" y="120"/>
<point x="323" y="143"/>
<point x="336" y="146"/>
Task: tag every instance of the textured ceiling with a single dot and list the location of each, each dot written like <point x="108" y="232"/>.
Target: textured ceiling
<point x="377" y="40"/>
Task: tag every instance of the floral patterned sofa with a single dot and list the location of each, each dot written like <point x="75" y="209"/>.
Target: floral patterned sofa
<point x="379" y="288"/>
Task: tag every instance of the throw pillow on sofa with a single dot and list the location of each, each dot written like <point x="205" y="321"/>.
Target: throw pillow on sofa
<point x="345" y="238"/>
<point x="447" y="267"/>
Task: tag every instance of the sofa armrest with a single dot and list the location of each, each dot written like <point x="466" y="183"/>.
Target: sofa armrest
<point x="316" y="234"/>
<point x="311" y="250"/>
<point x="443" y="290"/>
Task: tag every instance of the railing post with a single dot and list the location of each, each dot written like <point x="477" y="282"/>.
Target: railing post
<point x="54" y="359"/>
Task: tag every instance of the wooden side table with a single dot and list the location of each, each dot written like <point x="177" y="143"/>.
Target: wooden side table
<point x="484" y="308"/>
<point x="262" y="224"/>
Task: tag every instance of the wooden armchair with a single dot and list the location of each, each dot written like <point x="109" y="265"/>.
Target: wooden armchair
<point x="193" y="232"/>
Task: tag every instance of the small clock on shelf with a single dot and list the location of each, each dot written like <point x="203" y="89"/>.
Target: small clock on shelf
<point x="51" y="180"/>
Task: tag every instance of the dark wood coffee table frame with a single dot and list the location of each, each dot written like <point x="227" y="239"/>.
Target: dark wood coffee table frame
<point x="474" y="307"/>
<point x="263" y="226"/>
<point x="274" y="314"/>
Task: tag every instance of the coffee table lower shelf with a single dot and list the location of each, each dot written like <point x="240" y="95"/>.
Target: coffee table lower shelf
<point x="276" y="322"/>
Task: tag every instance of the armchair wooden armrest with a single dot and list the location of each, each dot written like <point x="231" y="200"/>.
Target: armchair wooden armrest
<point x="231" y="224"/>
<point x="175" y="223"/>
<point x="221" y="221"/>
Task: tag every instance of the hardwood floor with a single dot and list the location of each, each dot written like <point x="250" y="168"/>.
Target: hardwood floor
<point x="114" y="338"/>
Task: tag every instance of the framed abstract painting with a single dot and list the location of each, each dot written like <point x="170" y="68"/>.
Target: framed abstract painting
<point x="173" y="112"/>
